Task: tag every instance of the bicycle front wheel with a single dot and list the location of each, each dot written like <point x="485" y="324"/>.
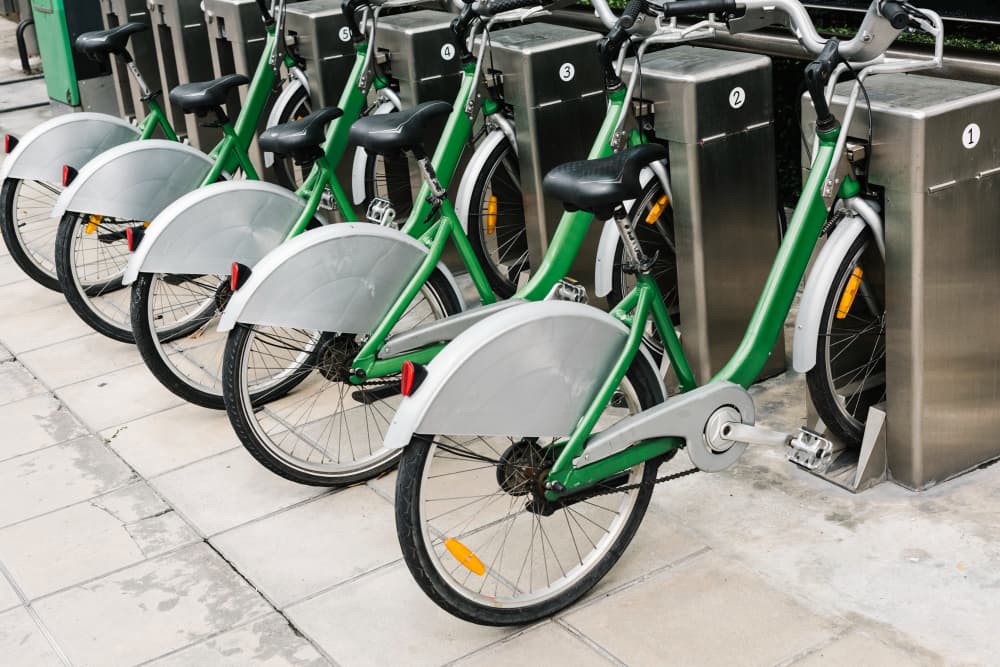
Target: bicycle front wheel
<point x="327" y="432"/>
<point x="91" y="254"/>
<point x="497" y="229"/>
<point x="480" y="540"/>
<point x="28" y="228"/>
<point x="849" y="375"/>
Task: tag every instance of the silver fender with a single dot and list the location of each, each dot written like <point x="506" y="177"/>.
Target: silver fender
<point x="341" y="278"/>
<point x="604" y="265"/>
<point x="527" y="371"/>
<point x="463" y="199"/>
<point x="361" y="158"/>
<point x="818" y="285"/>
<point x="206" y="230"/>
<point x="278" y="110"/>
<point x="72" y="139"/>
<point x="135" y="181"/>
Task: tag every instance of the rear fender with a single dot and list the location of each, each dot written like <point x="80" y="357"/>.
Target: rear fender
<point x="342" y="278"/>
<point x="135" y="181"/>
<point x="531" y="371"/>
<point x="73" y="139"/>
<point x="206" y="230"/>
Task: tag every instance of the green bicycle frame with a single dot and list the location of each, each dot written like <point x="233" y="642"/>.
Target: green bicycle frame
<point x="746" y="363"/>
<point x="156" y="119"/>
<point x="566" y="242"/>
<point x="232" y="151"/>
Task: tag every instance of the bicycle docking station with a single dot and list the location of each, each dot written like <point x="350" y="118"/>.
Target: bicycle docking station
<point x="714" y="110"/>
<point x="181" y="39"/>
<point x="318" y="29"/>
<point x="551" y="78"/>
<point x="141" y="46"/>
<point x="937" y="157"/>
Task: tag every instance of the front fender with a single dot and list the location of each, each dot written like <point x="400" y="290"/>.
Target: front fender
<point x="361" y="159"/>
<point x="604" y="265"/>
<point x="463" y="198"/>
<point x="206" y="230"/>
<point x="135" y="181"/>
<point x="342" y="278"/>
<point x="73" y="139"/>
<point x="530" y="370"/>
<point x="278" y="110"/>
<point x="818" y="285"/>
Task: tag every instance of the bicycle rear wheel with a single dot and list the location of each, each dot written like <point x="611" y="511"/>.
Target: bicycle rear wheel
<point x="476" y="539"/>
<point x="328" y="432"/>
<point x="28" y="228"/>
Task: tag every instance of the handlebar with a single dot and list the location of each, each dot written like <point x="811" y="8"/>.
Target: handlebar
<point x="682" y="7"/>
<point x="896" y="15"/>
<point x="494" y="7"/>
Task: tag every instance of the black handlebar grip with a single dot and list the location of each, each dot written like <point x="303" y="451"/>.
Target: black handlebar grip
<point x="895" y="14"/>
<point x="265" y="11"/>
<point x="682" y="7"/>
<point x="631" y="13"/>
<point x="494" y="7"/>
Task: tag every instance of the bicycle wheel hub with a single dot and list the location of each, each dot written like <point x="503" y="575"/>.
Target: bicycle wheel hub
<point x="523" y="468"/>
<point x="337" y="351"/>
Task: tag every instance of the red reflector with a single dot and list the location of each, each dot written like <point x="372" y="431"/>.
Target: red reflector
<point x="234" y="277"/>
<point x="406" y="381"/>
<point x="9" y="143"/>
<point x="131" y="239"/>
<point x="68" y="174"/>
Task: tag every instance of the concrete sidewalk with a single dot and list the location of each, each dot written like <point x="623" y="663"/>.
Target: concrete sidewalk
<point x="135" y="529"/>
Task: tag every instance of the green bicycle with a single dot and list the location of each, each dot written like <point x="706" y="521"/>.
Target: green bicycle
<point x="551" y="419"/>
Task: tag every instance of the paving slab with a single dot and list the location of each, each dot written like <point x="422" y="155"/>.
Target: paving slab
<point x="8" y="596"/>
<point x="58" y="476"/>
<point x="22" y="643"/>
<point x="117" y="397"/>
<point x="28" y="296"/>
<point x="706" y="611"/>
<point x="164" y="604"/>
<point x="549" y="643"/>
<point x="90" y="539"/>
<point x="5" y="354"/>
<point x="269" y="642"/>
<point x="227" y="490"/>
<point x="34" y="423"/>
<point x="859" y="647"/>
<point x="17" y="383"/>
<point x="10" y="272"/>
<point x="304" y="550"/>
<point x="92" y="355"/>
<point x="195" y="434"/>
<point x="40" y="328"/>
<point x="383" y="618"/>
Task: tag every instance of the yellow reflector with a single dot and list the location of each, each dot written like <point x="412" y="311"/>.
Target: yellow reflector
<point x="147" y="223"/>
<point x="658" y="208"/>
<point x="92" y="223"/>
<point x="491" y="215"/>
<point x="465" y="556"/>
<point x="850" y="293"/>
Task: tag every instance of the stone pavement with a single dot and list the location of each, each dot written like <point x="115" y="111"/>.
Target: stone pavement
<point x="134" y="529"/>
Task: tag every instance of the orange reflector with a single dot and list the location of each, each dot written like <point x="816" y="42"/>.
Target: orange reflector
<point x="491" y="215"/>
<point x="850" y="293"/>
<point x="92" y="223"/>
<point x="658" y="208"/>
<point x="465" y="556"/>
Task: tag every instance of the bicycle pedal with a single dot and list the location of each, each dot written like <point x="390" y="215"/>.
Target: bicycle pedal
<point x="568" y="290"/>
<point x="810" y="450"/>
<point x="380" y="212"/>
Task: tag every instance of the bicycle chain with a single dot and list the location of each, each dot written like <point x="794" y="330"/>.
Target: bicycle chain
<point x="658" y="480"/>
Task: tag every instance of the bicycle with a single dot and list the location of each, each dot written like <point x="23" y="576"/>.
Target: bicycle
<point x="117" y="193"/>
<point x="544" y="462"/>
<point x="32" y="175"/>
<point x="387" y="299"/>
<point x="182" y="270"/>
